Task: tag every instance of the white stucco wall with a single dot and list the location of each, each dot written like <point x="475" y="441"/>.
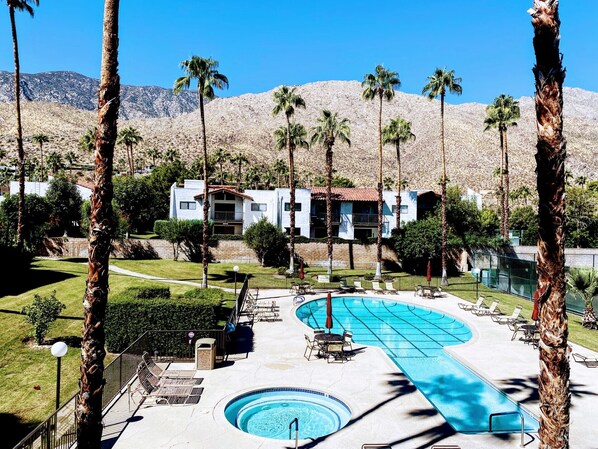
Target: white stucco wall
<point x="41" y="188"/>
<point x="267" y="197"/>
<point x="302" y="218"/>
<point x="186" y="194"/>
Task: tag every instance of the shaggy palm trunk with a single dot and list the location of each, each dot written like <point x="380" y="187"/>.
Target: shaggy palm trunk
<point x="444" y="280"/>
<point x="41" y="156"/>
<point x="501" y="188"/>
<point x="20" y="151"/>
<point x="329" y="203"/>
<point x="89" y="400"/>
<point x="379" y="236"/>
<point x="553" y="382"/>
<point x="506" y="193"/>
<point x="398" y="198"/>
<point x="291" y="199"/>
<point x="206" y="204"/>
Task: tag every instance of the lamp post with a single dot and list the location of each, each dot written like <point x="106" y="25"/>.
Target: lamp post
<point x="58" y="350"/>
<point x="236" y="270"/>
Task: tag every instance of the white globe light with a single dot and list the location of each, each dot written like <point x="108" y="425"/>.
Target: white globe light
<point x="59" y="349"/>
<point x="236" y="268"/>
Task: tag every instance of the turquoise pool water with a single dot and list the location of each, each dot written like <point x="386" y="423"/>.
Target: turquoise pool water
<point x="268" y="413"/>
<point x="414" y="338"/>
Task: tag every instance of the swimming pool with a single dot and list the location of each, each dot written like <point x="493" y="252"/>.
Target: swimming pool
<point x="414" y="338"/>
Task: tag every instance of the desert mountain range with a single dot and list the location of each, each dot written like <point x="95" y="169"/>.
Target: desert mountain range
<point x="245" y="123"/>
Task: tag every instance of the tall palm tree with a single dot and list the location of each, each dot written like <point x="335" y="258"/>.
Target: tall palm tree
<point x="239" y="159"/>
<point x="501" y="114"/>
<point x="398" y="131"/>
<point x="70" y="157"/>
<point x="584" y="283"/>
<point x="19" y="5"/>
<point x="87" y="141"/>
<point x="438" y="84"/>
<point x="55" y="162"/>
<point x="326" y="132"/>
<point x="89" y="399"/>
<point x="40" y="139"/>
<point x="205" y="71"/>
<point x="129" y="137"/>
<point x="381" y="85"/>
<point x="171" y="155"/>
<point x="553" y="381"/>
<point x="282" y="170"/>
<point x="153" y="153"/>
<point x="286" y="100"/>
<point x="220" y="157"/>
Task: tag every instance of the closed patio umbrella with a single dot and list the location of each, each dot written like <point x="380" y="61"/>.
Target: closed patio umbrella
<point x="536" y="311"/>
<point x="429" y="273"/>
<point x="301" y="273"/>
<point x="329" y="312"/>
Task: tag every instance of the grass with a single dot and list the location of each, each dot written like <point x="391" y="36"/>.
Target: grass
<point x="24" y="366"/>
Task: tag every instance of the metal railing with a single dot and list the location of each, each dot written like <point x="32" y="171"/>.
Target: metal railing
<point x="227" y="216"/>
<point x="296" y="423"/>
<point x="521" y="418"/>
<point x="365" y="219"/>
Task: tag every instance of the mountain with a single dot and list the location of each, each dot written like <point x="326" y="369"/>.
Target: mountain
<point x="245" y="123"/>
<point x="81" y="92"/>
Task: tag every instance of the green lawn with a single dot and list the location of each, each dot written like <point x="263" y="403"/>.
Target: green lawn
<point x="24" y="367"/>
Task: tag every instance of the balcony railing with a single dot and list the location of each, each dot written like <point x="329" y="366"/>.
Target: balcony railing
<point x="336" y="218"/>
<point x="227" y="217"/>
<point x="365" y="219"/>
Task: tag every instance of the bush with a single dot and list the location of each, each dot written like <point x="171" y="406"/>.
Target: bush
<point x="42" y="313"/>
<point x="418" y="242"/>
<point x="185" y="236"/>
<point x="146" y="292"/>
<point x="268" y="242"/>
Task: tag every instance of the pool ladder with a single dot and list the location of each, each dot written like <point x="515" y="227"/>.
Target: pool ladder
<point x="521" y="418"/>
<point x="296" y="422"/>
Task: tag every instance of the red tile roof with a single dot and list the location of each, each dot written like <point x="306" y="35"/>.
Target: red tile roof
<point x="345" y="194"/>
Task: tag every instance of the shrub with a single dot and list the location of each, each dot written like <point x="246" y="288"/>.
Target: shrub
<point x="42" y="313"/>
<point x="147" y="292"/>
<point x="268" y="242"/>
<point x="185" y="236"/>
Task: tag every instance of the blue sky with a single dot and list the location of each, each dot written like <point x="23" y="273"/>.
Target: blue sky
<point x="262" y="45"/>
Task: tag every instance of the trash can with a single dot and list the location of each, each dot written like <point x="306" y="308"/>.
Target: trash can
<point x="205" y="353"/>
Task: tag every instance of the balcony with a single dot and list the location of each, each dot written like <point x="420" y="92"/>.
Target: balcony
<point x="227" y="217"/>
<point x="365" y="219"/>
<point x="320" y="218"/>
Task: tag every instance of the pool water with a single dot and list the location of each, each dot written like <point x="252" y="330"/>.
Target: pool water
<point x="269" y="412"/>
<point x="414" y="338"/>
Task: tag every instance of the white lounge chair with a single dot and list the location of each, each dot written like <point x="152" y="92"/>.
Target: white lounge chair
<point x="390" y="288"/>
<point x="514" y="318"/>
<point x="376" y="288"/>
<point x="590" y="362"/>
<point x="358" y="287"/>
<point x="468" y="306"/>
<point x="484" y="311"/>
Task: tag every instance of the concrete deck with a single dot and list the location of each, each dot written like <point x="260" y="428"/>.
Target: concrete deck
<point x="386" y="407"/>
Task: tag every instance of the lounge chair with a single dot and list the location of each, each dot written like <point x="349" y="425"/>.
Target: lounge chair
<point x="376" y="288"/>
<point x="348" y="339"/>
<point x="486" y="311"/>
<point x="514" y="318"/>
<point x="358" y="287"/>
<point x="311" y="346"/>
<point x="590" y="362"/>
<point x="390" y="288"/>
<point x="170" y="391"/>
<point x="160" y="372"/>
<point x="468" y="306"/>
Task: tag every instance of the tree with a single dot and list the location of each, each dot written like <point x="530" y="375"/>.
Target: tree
<point x="88" y="140"/>
<point x="71" y="157"/>
<point x="417" y="243"/>
<point x="40" y="139"/>
<point x="581" y="211"/>
<point x="553" y="381"/>
<point x="396" y="132"/>
<point x="329" y="129"/>
<point x="584" y="282"/>
<point x="525" y="219"/>
<point x="171" y="155"/>
<point x="501" y="114"/>
<point x="220" y="157"/>
<point x="267" y="241"/>
<point x="37" y="216"/>
<point x="55" y="162"/>
<point x="19" y="5"/>
<point x="65" y="205"/>
<point x="135" y="201"/>
<point x="129" y="137"/>
<point x="93" y="353"/>
<point x="153" y="153"/>
<point x="41" y="313"/>
<point x="205" y="71"/>
<point x="380" y="85"/>
<point x="282" y="170"/>
<point x="438" y="84"/>
<point x="286" y="100"/>
<point x="239" y="159"/>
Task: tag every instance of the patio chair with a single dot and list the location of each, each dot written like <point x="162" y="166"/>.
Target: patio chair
<point x="358" y="287"/>
<point x="171" y="392"/>
<point x="348" y="339"/>
<point x="310" y="345"/>
<point x="159" y="372"/>
<point x="390" y="288"/>
<point x="376" y="288"/>
<point x="469" y="306"/>
<point x="418" y="290"/>
<point x="335" y="352"/>
<point x="514" y="318"/>
<point x="489" y="311"/>
<point x="590" y="362"/>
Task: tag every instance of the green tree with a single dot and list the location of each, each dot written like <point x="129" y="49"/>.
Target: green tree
<point x="525" y="219"/>
<point x="438" y="84"/>
<point x="417" y="243"/>
<point x="55" y="162"/>
<point x="581" y="211"/>
<point x="129" y="137"/>
<point x="397" y="131"/>
<point x="239" y="160"/>
<point x="329" y="129"/>
<point x="40" y="139"/>
<point x="135" y="201"/>
<point x="267" y="241"/>
<point x="282" y="170"/>
<point x="205" y="71"/>
<point x="221" y="157"/>
<point x="380" y="85"/>
<point x="388" y="183"/>
<point x="160" y="180"/>
<point x="171" y="155"/>
<point x="87" y="141"/>
<point x="41" y="313"/>
<point x="71" y="158"/>
<point x="36" y="214"/>
<point x="171" y="231"/>
<point x="501" y="114"/>
<point x="153" y="153"/>
<point x="65" y="206"/>
<point x="584" y="283"/>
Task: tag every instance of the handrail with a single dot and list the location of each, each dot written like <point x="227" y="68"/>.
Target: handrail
<point x="296" y="422"/>
<point x="509" y="413"/>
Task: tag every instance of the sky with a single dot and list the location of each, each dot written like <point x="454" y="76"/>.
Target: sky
<point x="261" y="45"/>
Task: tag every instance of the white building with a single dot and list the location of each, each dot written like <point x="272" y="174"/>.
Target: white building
<point x="41" y="188"/>
<point x="355" y="211"/>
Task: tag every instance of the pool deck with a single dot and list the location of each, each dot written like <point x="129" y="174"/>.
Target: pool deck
<point x="387" y="408"/>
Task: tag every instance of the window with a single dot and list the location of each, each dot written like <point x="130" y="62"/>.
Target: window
<point x="297" y="231"/>
<point x="404" y="209"/>
<point x="188" y="205"/>
<point x="259" y="207"/>
<point x="223" y="196"/>
<point x="287" y="207"/>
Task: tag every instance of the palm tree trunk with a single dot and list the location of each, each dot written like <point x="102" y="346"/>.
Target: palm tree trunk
<point x="506" y="194"/>
<point x="501" y="188"/>
<point x="444" y="280"/>
<point x="398" y="199"/>
<point x="41" y="155"/>
<point x="291" y="199"/>
<point x="239" y="177"/>
<point x="206" y="205"/>
<point x="20" y="151"/>
<point x="329" y="205"/>
<point x="89" y="406"/>
<point x="379" y="236"/>
<point x="553" y="382"/>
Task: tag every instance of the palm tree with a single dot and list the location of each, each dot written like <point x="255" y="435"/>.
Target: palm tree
<point x="129" y="137"/>
<point x="501" y="114"/>
<point x="171" y="155"/>
<point x="55" y="162"/>
<point x="153" y="153"/>
<point x="326" y="132"/>
<point x="438" y="83"/>
<point x="40" y="139"/>
<point x="282" y="170"/>
<point x="398" y="131"/>
<point x="220" y="157"/>
<point x="239" y="159"/>
<point x="286" y="100"/>
<point x="87" y="141"/>
<point x="581" y="181"/>
<point x="205" y="71"/>
<point x="380" y="85"/>
<point x="553" y="380"/>
<point x="584" y="282"/>
<point x="70" y="157"/>
<point x="19" y="5"/>
<point x="89" y="399"/>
